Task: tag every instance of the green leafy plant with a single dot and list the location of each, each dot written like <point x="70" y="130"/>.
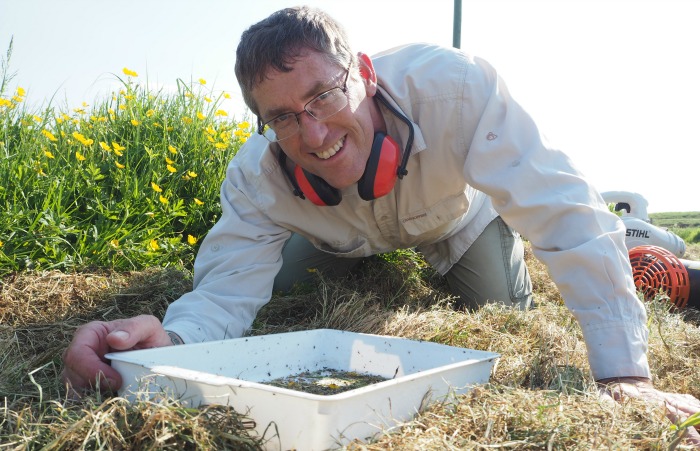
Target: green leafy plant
<point x="129" y="182"/>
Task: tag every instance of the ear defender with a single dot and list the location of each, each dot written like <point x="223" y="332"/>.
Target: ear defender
<point x="315" y="188"/>
<point x="378" y="179"/>
<point x="382" y="168"/>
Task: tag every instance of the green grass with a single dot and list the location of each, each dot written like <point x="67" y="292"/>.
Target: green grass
<point x="684" y="224"/>
<point x="130" y="182"/>
<point x="686" y="219"/>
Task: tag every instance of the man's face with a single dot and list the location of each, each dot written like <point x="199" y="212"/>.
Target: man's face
<point x="337" y="148"/>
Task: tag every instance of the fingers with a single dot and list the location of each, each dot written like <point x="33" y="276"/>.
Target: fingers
<point x="84" y="360"/>
<point x="139" y="332"/>
<point x="84" y="365"/>
<point x="678" y="406"/>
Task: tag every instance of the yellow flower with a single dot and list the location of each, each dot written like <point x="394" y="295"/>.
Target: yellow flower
<point x="192" y="174"/>
<point x="49" y="154"/>
<point x="83" y="140"/>
<point x="79" y="156"/>
<point x="105" y="146"/>
<point x="120" y="166"/>
<point x="122" y="107"/>
<point x="220" y="145"/>
<point x="192" y="240"/>
<point x="135" y="123"/>
<point x="198" y="202"/>
<point x="111" y="112"/>
<point x="2" y="244"/>
<point x="171" y="168"/>
<point x="156" y="188"/>
<point x="79" y="110"/>
<point x="20" y="91"/>
<point x="207" y="99"/>
<point x="114" y="243"/>
<point x="117" y="146"/>
<point x="227" y="95"/>
<point x="200" y="116"/>
<point x="18" y="99"/>
<point x="172" y="150"/>
<point x="202" y="81"/>
<point x="189" y="95"/>
<point x="130" y="73"/>
<point x="37" y="118"/>
<point x="49" y="135"/>
<point x="243" y="125"/>
<point x="163" y="200"/>
<point x="153" y="245"/>
<point x="168" y="160"/>
<point x="150" y="113"/>
<point x="129" y="97"/>
<point x="118" y="152"/>
<point x="220" y="113"/>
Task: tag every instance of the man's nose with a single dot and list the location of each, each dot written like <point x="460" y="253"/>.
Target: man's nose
<point x="313" y="131"/>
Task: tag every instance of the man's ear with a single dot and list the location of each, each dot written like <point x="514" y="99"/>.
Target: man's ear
<point x="367" y="73"/>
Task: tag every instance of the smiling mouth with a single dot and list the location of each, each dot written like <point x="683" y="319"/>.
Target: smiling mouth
<point x="326" y="154"/>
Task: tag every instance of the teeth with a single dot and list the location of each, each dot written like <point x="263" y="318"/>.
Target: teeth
<point x="326" y="154"/>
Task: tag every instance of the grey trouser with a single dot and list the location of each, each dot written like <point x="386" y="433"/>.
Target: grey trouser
<point x="492" y="270"/>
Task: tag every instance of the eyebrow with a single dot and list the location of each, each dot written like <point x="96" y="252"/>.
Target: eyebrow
<point x="318" y="88"/>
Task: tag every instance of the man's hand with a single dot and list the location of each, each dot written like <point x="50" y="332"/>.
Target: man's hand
<point x="678" y="407"/>
<point x="83" y="361"/>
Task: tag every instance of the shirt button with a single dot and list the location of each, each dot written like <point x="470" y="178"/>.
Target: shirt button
<point x="215" y="247"/>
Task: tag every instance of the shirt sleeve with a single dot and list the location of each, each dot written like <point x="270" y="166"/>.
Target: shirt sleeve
<point x="538" y="191"/>
<point x="233" y="272"/>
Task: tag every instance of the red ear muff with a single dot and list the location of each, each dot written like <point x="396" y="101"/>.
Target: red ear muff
<point x="315" y="188"/>
<point x="378" y="179"/>
<point x="382" y="168"/>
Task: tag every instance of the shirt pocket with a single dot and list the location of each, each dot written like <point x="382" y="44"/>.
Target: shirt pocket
<point x="437" y="216"/>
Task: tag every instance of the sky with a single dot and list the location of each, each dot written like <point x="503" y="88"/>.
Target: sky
<point x="613" y="83"/>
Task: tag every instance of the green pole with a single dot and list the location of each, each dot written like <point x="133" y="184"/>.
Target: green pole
<point x="457" y="27"/>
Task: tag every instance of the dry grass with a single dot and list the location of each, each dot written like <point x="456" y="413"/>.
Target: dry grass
<point x="541" y="395"/>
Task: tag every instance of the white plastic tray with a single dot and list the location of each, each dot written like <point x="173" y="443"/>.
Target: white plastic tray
<point x="230" y="372"/>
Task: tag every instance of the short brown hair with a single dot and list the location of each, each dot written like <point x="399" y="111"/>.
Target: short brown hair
<point x="275" y="42"/>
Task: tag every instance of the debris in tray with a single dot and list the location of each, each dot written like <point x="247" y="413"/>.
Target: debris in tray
<point x="326" y="381"/>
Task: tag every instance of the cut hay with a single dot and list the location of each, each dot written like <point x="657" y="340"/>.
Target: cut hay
<point x="541" y="394"/>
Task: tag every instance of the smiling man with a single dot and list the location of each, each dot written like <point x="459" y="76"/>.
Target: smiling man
<point x="419" y="146"/>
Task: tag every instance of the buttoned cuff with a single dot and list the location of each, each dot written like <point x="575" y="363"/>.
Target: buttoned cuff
<point x="617" y="350"/>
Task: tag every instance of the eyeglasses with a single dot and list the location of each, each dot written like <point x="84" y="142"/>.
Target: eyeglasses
<point x="320" y="108"/>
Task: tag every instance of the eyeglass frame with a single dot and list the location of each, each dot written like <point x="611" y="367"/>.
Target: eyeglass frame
<point x="343" y="89"/>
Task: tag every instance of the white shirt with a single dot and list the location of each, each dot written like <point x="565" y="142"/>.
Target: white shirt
<point x="476" y="154"/>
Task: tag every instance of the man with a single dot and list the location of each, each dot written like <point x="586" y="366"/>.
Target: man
<point x="336" y="128"/>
